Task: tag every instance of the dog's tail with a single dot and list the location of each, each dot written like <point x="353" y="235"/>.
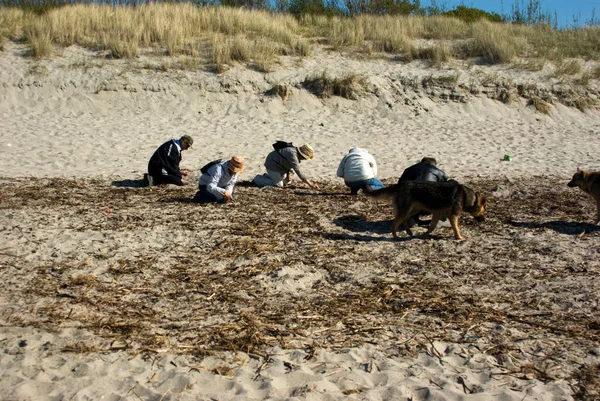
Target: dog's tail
<point x="383" y="193"/>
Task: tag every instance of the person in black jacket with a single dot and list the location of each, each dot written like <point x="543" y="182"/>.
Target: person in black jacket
<point x="425" y="170"/>
<point x="163" y="167"/>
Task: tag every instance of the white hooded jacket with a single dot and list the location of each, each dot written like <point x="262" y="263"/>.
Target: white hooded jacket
<point x="357" y="165"/>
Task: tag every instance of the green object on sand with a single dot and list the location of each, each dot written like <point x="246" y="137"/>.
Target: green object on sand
<point x="507" y="158"/>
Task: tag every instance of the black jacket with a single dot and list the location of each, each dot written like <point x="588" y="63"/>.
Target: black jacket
<point x="165" y="161"/>
<point x="423" y="172"/>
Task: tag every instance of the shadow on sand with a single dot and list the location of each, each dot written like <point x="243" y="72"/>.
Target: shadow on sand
<point x="180" y="199"/>
<point x="560" y="226"/>
<point x="362" y="238"/>
<point x="358" y="224"/>
<point x="130" y="183"/>
<point x="309" y="192"/>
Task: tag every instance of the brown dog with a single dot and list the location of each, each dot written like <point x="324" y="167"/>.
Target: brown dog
<point x="588" y="182"/>
<point x="441" y="199"/>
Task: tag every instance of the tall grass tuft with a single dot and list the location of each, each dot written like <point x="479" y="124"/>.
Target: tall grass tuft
<point x="350" y="87"/>
<point x="259" y="53"/>
<point x="11" y="22"/>
<point x="439" y="27"/>
<point x="436" y="54"/>
<point x="39" y="37"/>
<point x="540" y="105"/>
<point x="495" y="43"/>
<point x="570" y="67"/>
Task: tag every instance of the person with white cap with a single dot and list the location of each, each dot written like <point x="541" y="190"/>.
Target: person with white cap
<point x="282" y="162"/>
<point x="216" y="185"/>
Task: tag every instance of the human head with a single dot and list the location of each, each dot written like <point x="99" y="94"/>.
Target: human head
<point x="236" y="164"/>
<point x="186" y="142"/>
<point x="306" y="151"/>
<point x="429" y="160"/>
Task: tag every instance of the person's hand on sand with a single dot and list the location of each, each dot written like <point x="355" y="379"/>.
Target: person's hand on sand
<point x="184" y="172"/>
<point x="227" y="196"/>
<point x="312" y="185"/>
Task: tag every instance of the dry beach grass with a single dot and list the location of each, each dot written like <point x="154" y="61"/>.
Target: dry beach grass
<point x="251" y="275"/>
<point x="221" y="36"/>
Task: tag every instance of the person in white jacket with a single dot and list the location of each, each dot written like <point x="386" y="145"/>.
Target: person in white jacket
<point x="358" y="168"/>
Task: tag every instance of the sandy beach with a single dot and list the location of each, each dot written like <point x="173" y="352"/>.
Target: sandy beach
<point x="117" y="292"/>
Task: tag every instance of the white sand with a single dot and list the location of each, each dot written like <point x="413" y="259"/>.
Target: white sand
<point x="54" y="113"/>
<point x="85" y="117"/>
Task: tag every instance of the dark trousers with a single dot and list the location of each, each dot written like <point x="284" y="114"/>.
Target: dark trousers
<point x="203" y="196"/>
<point x="158" y="178"/>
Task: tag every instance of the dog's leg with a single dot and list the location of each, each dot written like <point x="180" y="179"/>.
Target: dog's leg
<point x="454" y="224"/>
<point x="407" y="227"/>
<point x="395" y="225"/>
<point x="598" y="212"/>
<point x="406" y="218"/>
<point x="435" y="219"/>
<point x="401" y="219"/>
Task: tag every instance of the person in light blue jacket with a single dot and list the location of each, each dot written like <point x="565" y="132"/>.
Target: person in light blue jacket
<point x="216" y="185"/>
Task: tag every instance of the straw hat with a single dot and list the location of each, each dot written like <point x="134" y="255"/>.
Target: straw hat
<point x="306" y="151"/>
<point x="236" y="164"/>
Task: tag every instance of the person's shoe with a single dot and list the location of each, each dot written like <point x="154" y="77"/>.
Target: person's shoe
<point x="148" y="180"/>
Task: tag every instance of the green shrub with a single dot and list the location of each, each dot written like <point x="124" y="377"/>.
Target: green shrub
<point x="469" y="14"/>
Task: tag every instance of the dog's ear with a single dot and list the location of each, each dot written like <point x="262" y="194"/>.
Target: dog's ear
<point x="470" y="198"/>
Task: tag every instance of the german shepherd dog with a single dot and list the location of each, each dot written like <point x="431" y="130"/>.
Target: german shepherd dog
<point x="588" y="182"/>
<point x="441" y="199"/>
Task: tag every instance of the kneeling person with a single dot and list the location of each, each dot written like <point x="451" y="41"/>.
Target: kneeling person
<point x="425" y="170"/>
<point x="216" y="185"/>
<point x="280" y="164"/>
<point x="358" y="168"/>
<point x="163" y="167"/>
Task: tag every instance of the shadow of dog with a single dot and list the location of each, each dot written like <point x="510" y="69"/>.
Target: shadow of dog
<point x="560" y="226"/>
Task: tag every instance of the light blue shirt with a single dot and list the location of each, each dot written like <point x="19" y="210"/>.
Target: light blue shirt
<point x="219" y="179"/>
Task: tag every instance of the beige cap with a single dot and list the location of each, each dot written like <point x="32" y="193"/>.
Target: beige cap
<point x="306" y="151"/>
<point x="236" y="164"/>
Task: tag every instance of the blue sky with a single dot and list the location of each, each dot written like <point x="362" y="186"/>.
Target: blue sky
<point x="565" y="9"/>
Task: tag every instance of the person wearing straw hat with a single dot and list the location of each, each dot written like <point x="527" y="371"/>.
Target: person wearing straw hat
<point x="216" y="185"/>
<point x="163" y="167"/>
<point x="282" y="162"/>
